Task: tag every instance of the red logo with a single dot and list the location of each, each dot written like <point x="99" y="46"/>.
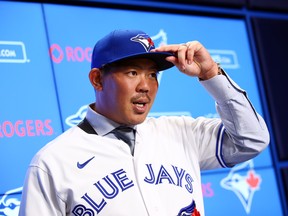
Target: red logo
<point x="253" y="180"/>
<point x="196" y="213"/>
<point x="23" y="128"/>
<point x="70" y="54"/>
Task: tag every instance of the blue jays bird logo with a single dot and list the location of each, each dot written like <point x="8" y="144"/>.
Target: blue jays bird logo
<point x="10" y="202"/>
<point x="244" y="182"/>
<point x="144" y="40"/>
<point x="189" y="210"/>
<point x="77" y="117"/>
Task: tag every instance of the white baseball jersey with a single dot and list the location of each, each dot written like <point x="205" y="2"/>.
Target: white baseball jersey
<point x="84" y="174"/>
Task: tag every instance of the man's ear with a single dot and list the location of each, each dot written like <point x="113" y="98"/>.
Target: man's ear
<point x="95" y="77"/>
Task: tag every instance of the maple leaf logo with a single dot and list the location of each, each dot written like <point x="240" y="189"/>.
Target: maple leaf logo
<point x="196" y="213"/>
<point x="253" y="180"/>
<point x="150" y="41"/>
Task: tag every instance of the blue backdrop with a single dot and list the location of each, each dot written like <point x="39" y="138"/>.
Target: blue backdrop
<point x="45" y="56"/>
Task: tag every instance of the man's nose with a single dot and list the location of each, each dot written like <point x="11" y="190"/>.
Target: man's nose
<point x="143" y="85"/>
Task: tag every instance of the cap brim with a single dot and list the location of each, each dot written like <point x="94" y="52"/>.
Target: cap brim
<point x="158" y="57"/>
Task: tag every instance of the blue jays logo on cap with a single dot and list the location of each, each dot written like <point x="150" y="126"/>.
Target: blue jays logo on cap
<point x="144" y="40"/>
<point x="126" y="44"/>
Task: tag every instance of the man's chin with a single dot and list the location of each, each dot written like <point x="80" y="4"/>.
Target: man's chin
<point x="138" y="119"/>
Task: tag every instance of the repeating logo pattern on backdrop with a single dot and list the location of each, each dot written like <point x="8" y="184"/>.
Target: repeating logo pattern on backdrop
<point x="15" y="52"/>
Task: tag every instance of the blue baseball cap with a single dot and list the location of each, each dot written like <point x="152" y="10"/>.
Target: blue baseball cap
<point x="126" y="44"/>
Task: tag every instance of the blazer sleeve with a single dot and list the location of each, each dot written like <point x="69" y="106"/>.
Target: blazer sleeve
<point x="244" y="133"/>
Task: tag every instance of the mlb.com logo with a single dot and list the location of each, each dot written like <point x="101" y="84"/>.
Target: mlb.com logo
<point x="13" y="52"/>
<point x="227" y="58"/>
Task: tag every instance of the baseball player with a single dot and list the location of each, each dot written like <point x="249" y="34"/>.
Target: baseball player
<point x="92" y="170"/>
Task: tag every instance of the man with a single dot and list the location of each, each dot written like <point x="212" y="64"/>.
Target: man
<point x="93" y="169"/>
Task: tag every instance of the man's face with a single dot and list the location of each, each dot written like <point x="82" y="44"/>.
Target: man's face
<point x="128" y="91"/>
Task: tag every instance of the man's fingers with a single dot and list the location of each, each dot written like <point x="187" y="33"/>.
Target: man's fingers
<point x="182" y="55"/>
<point x="185" y="55"/>
<point x="167" y="48"/>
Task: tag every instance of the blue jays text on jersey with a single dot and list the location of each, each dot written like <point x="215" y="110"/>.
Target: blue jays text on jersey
<point x="118" y="181"/>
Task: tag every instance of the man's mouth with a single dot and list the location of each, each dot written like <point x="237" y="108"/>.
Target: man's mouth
<point x="139" y="104"/>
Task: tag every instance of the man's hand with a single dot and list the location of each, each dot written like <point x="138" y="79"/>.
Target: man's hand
<point x="191" y="58"/>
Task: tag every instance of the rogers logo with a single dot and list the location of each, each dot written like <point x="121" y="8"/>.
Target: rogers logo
<point x="23" y="128"/>
<point x="70" y="54"/>
<point x="207" y="189"/>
